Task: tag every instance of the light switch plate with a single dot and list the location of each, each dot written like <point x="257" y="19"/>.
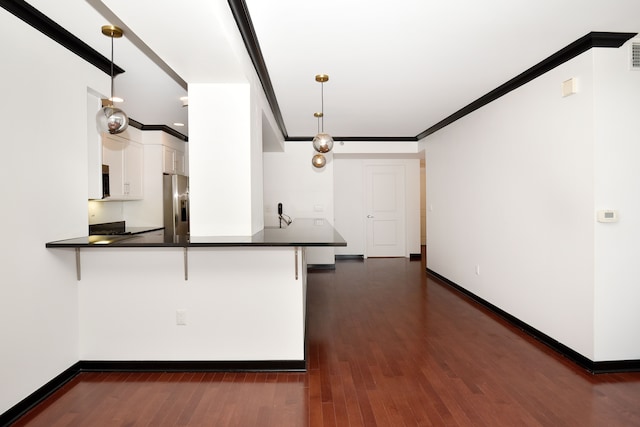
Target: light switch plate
<point x="569" y="87"/>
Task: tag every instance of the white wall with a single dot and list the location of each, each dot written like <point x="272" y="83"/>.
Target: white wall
<point x="45" y="199"/>
<point x="303" y="190"/>
<point x="617" y="186"/>
<point x="350" y="205"/>
<point x="334" y="192"/>
<point x="256" y="170"/>
<point x="349" y="200"/>
<point x="220" y="160"/>
<point x="511" y="188"/>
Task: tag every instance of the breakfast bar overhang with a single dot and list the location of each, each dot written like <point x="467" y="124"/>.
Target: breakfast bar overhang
<point x="244" y="300"/>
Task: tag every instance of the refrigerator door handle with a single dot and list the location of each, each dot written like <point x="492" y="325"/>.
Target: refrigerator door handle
<point x="183" y="211"/>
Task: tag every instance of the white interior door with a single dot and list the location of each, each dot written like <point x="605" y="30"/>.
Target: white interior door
<point x="385" y="210"/>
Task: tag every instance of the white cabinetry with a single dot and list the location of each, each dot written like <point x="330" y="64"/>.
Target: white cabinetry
<point x="126" y="167"/>
<point x="173" y="161"/>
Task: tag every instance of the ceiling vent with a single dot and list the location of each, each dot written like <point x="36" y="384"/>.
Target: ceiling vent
<point x="635" y="55"/>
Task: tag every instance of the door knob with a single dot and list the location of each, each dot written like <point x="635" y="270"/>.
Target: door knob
<point x="369" y="216"/>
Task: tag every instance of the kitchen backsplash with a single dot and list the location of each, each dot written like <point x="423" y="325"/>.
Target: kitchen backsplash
<point x="101" y="212"/>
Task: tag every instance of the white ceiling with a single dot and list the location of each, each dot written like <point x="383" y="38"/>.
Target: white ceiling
<point x="396" y="67"/>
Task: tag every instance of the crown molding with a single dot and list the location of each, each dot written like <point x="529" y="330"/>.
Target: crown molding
<point x="243" y="21"/>
<point x="45" y="25"/>
<point x="583" y="44"/>
<point x="164" y="128"/>
<point x="358" y="138"/>
<point x="591" y="40"/>
<point x="55" y="32"/>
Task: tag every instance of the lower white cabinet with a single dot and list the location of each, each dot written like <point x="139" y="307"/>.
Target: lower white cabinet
<point x="125" y="159"/>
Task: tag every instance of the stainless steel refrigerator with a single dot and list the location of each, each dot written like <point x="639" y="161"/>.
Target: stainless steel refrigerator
<point x="176" y="205"/>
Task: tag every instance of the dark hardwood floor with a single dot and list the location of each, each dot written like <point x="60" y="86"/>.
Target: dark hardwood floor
<point x="387" y="346"/>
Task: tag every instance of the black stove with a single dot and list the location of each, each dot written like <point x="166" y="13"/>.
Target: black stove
<point x="108" y="229"/>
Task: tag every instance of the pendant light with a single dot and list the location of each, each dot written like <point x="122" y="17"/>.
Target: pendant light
<point x="323" y="142"/>
<point x="109" y="118"/>
<point x="318" y="160"/>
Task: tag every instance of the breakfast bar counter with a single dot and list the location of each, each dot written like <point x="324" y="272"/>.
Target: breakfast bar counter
<point x="220" y="302"/>
<point x="302" y="232"/>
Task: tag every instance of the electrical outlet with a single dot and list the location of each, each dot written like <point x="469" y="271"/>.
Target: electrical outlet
<point x="181" y="317"/>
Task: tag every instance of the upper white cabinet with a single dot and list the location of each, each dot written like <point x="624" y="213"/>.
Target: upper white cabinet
<point x="174" y="152"/>
<point x="173" y="161"/>
<point x="125" y="159"/>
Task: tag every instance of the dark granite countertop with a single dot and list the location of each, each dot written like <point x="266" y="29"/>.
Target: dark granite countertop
<point x="302" y="232"/>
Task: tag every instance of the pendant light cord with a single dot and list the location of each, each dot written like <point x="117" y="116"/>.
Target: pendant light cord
<point x="111" y="70"/>
<point x="322" y="104"/>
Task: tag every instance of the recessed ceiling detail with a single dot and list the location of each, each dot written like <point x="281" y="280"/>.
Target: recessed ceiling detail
<point x="428" y="65"/>
<point x="407" y="79"/>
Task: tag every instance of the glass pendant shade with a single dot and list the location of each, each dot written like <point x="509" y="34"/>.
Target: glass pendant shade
<point x="323" y="143"/>
<point x="111" y="119"/>
<point x="318" y="161"/>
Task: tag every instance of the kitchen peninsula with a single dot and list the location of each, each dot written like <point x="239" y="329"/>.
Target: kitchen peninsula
<point x="243" y="305"/>
<point x="303" y="232"/>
